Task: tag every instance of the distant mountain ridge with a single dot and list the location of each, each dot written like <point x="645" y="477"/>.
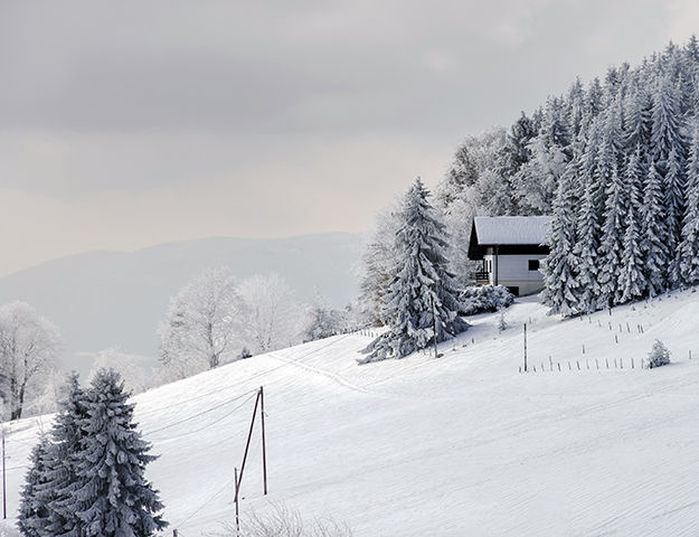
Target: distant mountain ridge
<point x="102" y="299"/>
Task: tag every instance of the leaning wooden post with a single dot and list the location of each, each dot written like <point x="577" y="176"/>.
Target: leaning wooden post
<point x="525" y="347"/>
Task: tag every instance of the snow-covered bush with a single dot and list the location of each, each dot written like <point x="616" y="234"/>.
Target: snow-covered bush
<point x="502" y="322"/>
<point x="324" y="322"/>
<point x="485" y="298"/>
<point x="659" y="355"/>
<point x="280" y="521"/>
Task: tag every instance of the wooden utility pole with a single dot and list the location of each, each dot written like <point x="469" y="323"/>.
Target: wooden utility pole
<point x="264" y="442"/>
<point x="237" y="507"/>
<point x="434" y="319"/>
<point x="4" y="480"/>
<point x="259" y="402"/>
<point x="525" y="347"/>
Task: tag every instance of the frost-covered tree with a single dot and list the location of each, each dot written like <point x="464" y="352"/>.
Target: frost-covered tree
<point x="113" y="498"/>
<point x="668" y="151"/>
<point x="32" y="518"/>
<point x="689" y="247"/>
<point x="422" y="302"/>
<point x="537" y="179"/>
<point x="273" y="319"/>
<point x="654" y="234"/>
<point x="561" y="285"/>
<point x="323" y="321"/>
<point x="458" y="227"/>
<point x="659" y="355"/>
<point x="378" y="260"/>
<point x="29" y="348"/>
<point x="612" y="240"/>
<point x="204" y="324"/>
<point x="632" y="278"/>
<point x="586" y="251"/>
<point x="135" y="371"/>
<point x="57" y="490"/>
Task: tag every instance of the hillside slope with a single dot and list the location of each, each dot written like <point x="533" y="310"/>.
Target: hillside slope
<point x="104" y="299"/>
<point x="455" y="446"/>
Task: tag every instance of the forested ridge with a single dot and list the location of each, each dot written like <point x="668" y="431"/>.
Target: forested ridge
<point x="616" y="162"/>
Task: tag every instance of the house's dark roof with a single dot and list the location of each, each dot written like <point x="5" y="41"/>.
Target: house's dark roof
<point x="517" y="234"/>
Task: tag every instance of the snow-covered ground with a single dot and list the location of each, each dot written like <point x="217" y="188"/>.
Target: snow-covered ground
<point x="462" y="445"/>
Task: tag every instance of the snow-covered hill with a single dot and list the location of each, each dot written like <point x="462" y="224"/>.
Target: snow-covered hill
<point x="462" y="445"/>
<point x="105" y="299"/>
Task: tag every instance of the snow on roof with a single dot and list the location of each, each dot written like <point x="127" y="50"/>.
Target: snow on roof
<point x="512" y="229"/>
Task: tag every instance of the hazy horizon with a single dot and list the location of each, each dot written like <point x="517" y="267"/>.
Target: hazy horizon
<point x="134" y="124"/>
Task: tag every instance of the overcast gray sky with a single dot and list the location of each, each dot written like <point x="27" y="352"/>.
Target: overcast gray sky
<point x="133" y="122"/>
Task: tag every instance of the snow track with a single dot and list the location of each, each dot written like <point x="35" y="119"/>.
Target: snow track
<point x="458" y="446"/>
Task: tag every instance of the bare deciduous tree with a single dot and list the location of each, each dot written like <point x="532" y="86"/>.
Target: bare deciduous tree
<point x="29" y="347"/>
<point x="133" y="369"/>
<point x="274" y="317"/>
<point x="203" y="325"/>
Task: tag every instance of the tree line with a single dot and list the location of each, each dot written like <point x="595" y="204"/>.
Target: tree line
<point x="615" y="162"/>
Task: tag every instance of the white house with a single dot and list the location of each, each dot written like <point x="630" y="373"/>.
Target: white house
<point x="510" y="249"/>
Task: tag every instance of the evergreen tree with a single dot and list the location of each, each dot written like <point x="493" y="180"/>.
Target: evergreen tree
<point x="674" y="210"/>
<point x="32" y="519"/>
<point x="422" y="295"/>
<point x="668" y="151"/>
<point x="632" y="278"/>
<point x="586" y="251"/>
<point x="612" y="238"/>
<point x="114" y="499"/>
<point x="638" y="125"/>
<point x="689" y="248"/>
<point x="561" y="285"/>
<point x="58" y="489"/>
<point x="654" y="234"/>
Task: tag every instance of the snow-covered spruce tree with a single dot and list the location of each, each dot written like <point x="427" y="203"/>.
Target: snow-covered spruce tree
<point x="612" y="238"/>
<point x="114" y="498"/>
<point x="586" y="250"/>
<point x="422" y="295"/>
<point x="689" y="248"/>
<point x="632" y="278"/>
<point x="560" y="279"/>
<point x="668" y="152"/>
<point x="57" y="490"/>
<point x="654" y="234"/>
<point x="32" y="518"/>
<point x="674" y="205"/>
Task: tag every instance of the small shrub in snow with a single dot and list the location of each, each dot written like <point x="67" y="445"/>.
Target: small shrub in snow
<point x="244" y="353"/>
<point x="502" y="322"/>
<point x="324" y="322"/>
<point x="659" y="355"/>
<point x="280" y="521"/>
<point x="485" y="298"/>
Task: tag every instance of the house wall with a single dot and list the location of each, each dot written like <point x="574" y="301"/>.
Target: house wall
<point x="513" y="271"/>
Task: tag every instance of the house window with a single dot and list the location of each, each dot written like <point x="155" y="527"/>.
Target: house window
<point x="533" y="264"/>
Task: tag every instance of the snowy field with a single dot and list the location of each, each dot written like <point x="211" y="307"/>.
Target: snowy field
<point x="462" y="445"/>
